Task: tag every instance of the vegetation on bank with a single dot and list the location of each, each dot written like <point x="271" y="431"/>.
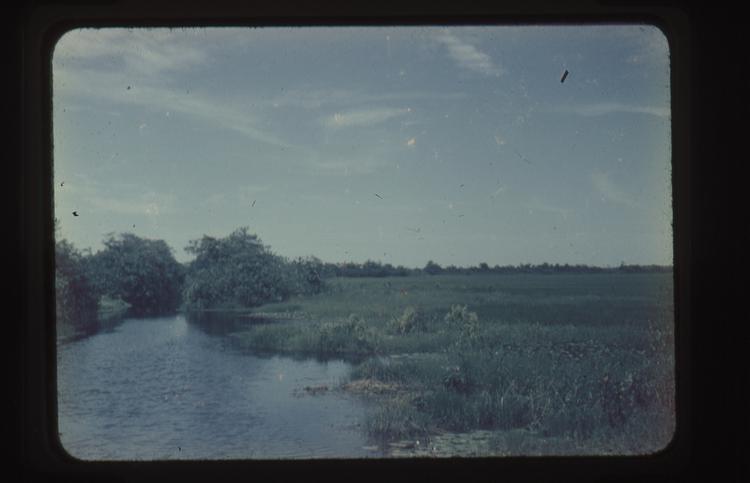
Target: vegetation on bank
<point x="143" y="273"/>
<point x="141" y="277"/>
<point x="75" y="297"/>
<point x="583" y="359"/>
<point x="239" y="271"/>
<point x="234" y="272"/>
<point x="131" y="275"/>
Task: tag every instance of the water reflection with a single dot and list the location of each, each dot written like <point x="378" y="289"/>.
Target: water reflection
<point x="91" y="328"/>
<point x="174" y="387"/>
<point x="224" y="323"/>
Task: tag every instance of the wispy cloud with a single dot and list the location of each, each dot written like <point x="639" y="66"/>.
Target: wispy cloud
<point x="88" y="195"/>
<point x="538" y="205"/>
<point x="363" y="117"/>
<point x="354" y="165"/>
<point x="143" y="67"/>
<point x="609" y="191"/>
<point x="142" y="51"/>
<point x="335" y="161"/>
<point x="316" y="98"/>
<point x="108" y="87"/>
<point x="607" y="108"/>
<point x="149" y="204"/>
<point x="468" y="56"/>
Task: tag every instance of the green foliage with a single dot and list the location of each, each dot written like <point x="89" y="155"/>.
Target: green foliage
<point x="432" y="268"/>
<point x="483" y="409"/>
<point x="372" y="268"/>
<point x="467" y="324"/>
<point x="537" y="390"/>
<point x="376" y="368"/>
<point x="582" y="361"/>
<point x="235" y="271"/>
<point x="239" y="271"/>
<point x="273" y="338"/>
<point x="411" y="320"/>
<point x="306" y="276"/>
<point x="75" y="296"/>
<point x="397" y="419"/>
<point x="348" y="336"/>
<point x="368" y="269"/>
<point x="459" y="316"/>
<point x="141" y="272"/>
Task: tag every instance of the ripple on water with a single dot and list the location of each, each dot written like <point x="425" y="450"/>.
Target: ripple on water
<point x="167" y="388"/>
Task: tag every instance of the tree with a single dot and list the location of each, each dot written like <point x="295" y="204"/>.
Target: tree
<point x="75" y="295"/>
<point x="142" y="272"/>
<point x="372" y="269"/>
<point x="307" y="275"/>
<point x="237" y="270"/>
<point x="432" y="268"/>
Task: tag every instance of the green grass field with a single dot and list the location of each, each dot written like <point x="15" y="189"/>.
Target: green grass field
<point x="532" y="364"/>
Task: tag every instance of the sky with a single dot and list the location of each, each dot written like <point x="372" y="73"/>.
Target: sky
<point x="459" y="145"/>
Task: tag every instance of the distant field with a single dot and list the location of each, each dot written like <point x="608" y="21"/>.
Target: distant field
<point x="591" y="299"/>
<point x="566" y="362"/>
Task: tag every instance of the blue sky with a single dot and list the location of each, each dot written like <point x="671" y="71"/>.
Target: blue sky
<point x="402" y="145"/>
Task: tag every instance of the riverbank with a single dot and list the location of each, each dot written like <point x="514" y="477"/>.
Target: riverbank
<point x="572" y="362"/>
<point x="109" y="313"/>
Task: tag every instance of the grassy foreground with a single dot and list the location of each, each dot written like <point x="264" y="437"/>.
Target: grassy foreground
<point x="536" y="364"/>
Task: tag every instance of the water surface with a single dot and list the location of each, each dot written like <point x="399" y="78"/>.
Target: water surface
<point x="173" y="388"/>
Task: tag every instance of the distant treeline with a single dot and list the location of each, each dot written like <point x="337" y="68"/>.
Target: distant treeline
<point x="376" y="269"/>
<point x="232" y="272"/>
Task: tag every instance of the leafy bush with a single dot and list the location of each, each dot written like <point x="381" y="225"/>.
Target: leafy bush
<point x="411" y="320"/>
<point x="484" y="409"/>
<point x="234" y="271"/>
<point x="75" y="294"/>
<point x="306" y="276"/>
<point x="141" y="272"/>
<point x="397" y="419"/>
<point x="459" y="317"/>
<point x="432" y="268"/>
<point x="375" y="368"/>
<point x="349" y="336"/>
<point x="239" y="271"/>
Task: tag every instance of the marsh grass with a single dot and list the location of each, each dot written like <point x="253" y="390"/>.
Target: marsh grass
<point x="343" y="336"/>
<point x="582" y="360"/>
<point x="397" y="418"/>
<point x="555" y="396"/>
<point x="411" y="320"/>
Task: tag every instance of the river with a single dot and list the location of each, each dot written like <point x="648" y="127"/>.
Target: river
<point x="178" y="388"/>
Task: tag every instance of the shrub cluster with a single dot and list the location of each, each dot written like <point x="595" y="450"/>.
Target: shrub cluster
<point x="141" y="272"/>
<point x="411" y="320"/>
<point x="467" y="323"/>
<point x="239" y="271"/>
<point x="75" y="297"/>
<point x="233" y="272"/>
<point x="348" y="336"/>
